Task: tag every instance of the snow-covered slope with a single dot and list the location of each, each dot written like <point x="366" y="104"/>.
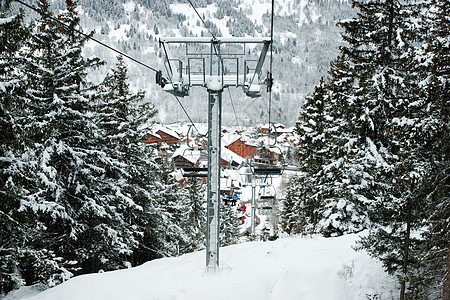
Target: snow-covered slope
<point x="288" y="268"/>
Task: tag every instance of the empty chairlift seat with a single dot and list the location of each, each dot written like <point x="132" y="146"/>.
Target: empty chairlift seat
<point x="267" y="161"/>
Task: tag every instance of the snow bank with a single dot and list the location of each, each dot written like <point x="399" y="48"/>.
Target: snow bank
<point x="288" y="268"/>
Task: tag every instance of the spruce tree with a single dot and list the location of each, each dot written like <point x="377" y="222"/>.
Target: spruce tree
<point x="385" y="130"/>
<point x="383" y="46"/>
<point x="194" y="219"/>
<point x="434" y="62"/>
<point x="139" y="184"/>
<point x="23" y="260"/>
<point x="311" y="156"/>
<point x="290" y="220"/>
<point x="60" y="126"/>
<point x="14" y="223"/>
<point x="229" y="231"/>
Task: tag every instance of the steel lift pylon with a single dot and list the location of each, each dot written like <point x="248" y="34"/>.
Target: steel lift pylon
<point x="214" y="70"/>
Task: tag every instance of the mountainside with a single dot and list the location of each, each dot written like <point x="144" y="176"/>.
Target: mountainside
<point x="305" y="41"/>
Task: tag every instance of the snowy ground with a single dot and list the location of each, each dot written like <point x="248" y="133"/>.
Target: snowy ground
<point x="288" y="268"/>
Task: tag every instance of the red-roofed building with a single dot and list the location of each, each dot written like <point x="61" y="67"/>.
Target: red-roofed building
<point x="241" y="148"/>
<point x="152" y="138"/>
<point x="161" y="135"/>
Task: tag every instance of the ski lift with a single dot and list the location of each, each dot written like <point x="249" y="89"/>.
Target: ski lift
<point x="192" y="161"/>
<point x="174" y="83"/>
<point x="252" y="87"/>
<point x="268" y="200"/>
<point x="231" y="190"/>
<point x="267" y="161"/>
<point x="268" y="197"/>
<point x="195" y="172"/>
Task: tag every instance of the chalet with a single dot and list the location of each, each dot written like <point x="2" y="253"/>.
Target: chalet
<point x="184" y="157"/>
<point x="230" y="158"/>
<point x="268" y="155"/>
<point x="152" y="138"/>
<point x="160" y="134"/>
<point x="265" y="128"/>
<point x="240" y="147"/>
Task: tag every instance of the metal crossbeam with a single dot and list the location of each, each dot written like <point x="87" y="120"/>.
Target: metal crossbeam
<point x="222" y="40"/>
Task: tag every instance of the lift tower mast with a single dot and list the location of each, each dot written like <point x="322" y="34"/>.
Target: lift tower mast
<point x="215" y="69"/>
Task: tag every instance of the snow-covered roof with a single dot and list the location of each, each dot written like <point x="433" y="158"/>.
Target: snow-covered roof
<point x="276" y="125"/>
<point x="230" y="156"/>
<point x="271" y="148"/>
<point x="230" y="138"/>
<point x="158" y="127"/>
<point x="286" y="130"/>
<point x="190" y="154"/>
<point x="155" y="134"/>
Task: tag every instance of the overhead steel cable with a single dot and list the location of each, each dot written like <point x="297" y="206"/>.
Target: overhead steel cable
<point x="218" y="54"/>
<point x="234" y="110"/>
<point x="207" y="27"/>
<point x="85" y="35"/>
<point x="270" y="67"/>
<point x="190" y="120"/>
<point x="203" y="21"/>
<point x="102" y="44"/>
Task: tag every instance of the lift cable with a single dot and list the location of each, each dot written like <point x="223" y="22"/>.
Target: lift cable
<point x="203" y="21"/>
<point x="209" y="29"/>
<point x="190" y="120"/>
<point x="102" y="44"/>
<point x="218" y="54"/>
<point x="85" y="35"/>
<point x="234" y="110"/>
<point x="269" y="86"/>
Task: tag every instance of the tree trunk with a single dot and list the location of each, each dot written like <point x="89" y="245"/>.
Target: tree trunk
<point x="446" y="283"/>
<point x="406" y="252"/>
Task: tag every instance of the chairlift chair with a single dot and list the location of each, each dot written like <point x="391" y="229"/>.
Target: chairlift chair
<point x="192" y="167"/>
<point x="264" y="162"/>
<point x="268" y="197"/>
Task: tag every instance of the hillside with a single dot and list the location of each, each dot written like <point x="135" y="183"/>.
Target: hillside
<point x="288" y="268"/>
<point x="306" y="40"/>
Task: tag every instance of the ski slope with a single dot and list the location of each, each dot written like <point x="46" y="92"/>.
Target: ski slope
<point x="306" y="268"/>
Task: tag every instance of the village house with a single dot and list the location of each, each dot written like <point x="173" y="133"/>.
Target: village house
<point x="276" y="129"/>
<point x="185" y="157"/>
<point x="241" y="148"/>
<point x="159" y="135"/>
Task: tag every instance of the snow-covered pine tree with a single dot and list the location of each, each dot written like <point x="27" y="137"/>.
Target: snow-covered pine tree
<point x="290" y="221"/>
<point x="24" y="259"/>
<point x="333" y="186"/>
<point x="67" y="194"/>
<point x="349" y="171"/>
<point x="14" y="223"/>
<point x="173" y="207"/>
<point x="143" y="193"/>
<point x="193" y="221"/>
<point x="434" y="65"/>
<point x="229" y="231"/>
<point x="313" y="154"/>
<point x="383" y="45"/>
